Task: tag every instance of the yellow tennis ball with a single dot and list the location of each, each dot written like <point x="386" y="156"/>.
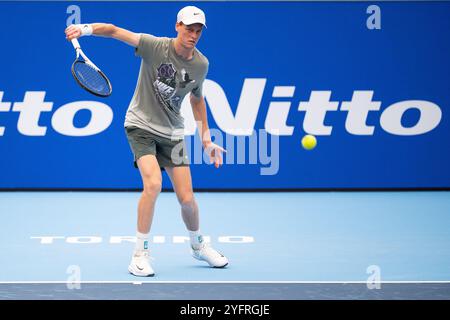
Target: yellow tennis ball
<point x="309" y="142"/>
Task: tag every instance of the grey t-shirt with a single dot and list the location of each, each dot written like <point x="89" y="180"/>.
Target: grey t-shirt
<point x="164" y="80"/>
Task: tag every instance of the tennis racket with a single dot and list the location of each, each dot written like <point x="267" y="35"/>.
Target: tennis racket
<point x="88" y="75"/>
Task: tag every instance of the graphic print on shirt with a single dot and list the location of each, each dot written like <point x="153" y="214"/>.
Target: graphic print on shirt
<point x="185" y="77"/>
<point x="166" y="85"/>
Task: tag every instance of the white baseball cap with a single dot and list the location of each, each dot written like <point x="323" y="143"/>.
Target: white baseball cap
<point x="190" y="15"/>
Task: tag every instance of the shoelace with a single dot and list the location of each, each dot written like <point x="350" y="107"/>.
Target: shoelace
<point x="207" y="248"/>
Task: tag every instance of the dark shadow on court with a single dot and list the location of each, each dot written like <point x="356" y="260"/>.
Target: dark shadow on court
<point x="226" y="291"/>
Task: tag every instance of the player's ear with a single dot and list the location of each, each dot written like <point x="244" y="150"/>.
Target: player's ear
<point x="178" y="25"/>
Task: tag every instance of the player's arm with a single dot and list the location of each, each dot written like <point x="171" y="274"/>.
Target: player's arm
<point x="107" y="30"/>
<point x="199" y="111"/>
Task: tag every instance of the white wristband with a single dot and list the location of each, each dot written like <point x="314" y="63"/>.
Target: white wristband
<point x="86" y="29"/>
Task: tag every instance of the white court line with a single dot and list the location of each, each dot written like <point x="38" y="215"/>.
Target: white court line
<point x="223" y="282"/>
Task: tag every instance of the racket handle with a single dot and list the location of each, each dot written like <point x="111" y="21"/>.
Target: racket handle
<point x="75" y="44"/>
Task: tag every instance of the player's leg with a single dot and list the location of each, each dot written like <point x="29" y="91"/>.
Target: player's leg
<point x="151" y="181"/>
<point x="180" y="177"/>
<point x="143" y="145"/>
<point x="182" y="184"/>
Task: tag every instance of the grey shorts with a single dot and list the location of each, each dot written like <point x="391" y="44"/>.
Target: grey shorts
<point x="169" y="153"/>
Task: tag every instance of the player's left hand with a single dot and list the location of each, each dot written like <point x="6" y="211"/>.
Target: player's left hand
<point x="215" y="153"/>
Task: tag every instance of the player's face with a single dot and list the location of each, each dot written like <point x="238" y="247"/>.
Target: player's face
<point x="189" y="34"/>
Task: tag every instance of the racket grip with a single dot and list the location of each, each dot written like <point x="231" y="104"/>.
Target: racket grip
<point x="75" y="44"/>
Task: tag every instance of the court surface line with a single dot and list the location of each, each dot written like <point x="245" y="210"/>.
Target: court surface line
<point x="223" y="282"/>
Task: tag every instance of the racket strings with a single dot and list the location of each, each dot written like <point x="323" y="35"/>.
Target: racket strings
<point x="91" y="78"/>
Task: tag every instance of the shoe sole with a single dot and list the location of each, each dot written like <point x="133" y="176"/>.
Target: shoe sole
<point x="221" y="266"/>
<point x="130" y="270"/>
<point x="217" y="267"/>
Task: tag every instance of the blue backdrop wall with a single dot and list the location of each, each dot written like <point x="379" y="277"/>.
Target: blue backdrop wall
<point x="376" y="99"/>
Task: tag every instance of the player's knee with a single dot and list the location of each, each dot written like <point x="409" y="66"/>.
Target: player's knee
<point x="152" y="187"/>
<point x="188" y="200"/>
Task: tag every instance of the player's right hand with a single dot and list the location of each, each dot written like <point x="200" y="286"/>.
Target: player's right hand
<point x="72" y="32"/>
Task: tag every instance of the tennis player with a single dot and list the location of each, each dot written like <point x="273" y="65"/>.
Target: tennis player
<point x="170" y="69"/>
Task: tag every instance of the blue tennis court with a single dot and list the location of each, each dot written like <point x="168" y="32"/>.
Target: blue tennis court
<point x="296" y="245"/>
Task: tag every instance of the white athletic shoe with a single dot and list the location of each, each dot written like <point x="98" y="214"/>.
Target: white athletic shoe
<point x="140" y="265"/>
<point x="211" y="256"/>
